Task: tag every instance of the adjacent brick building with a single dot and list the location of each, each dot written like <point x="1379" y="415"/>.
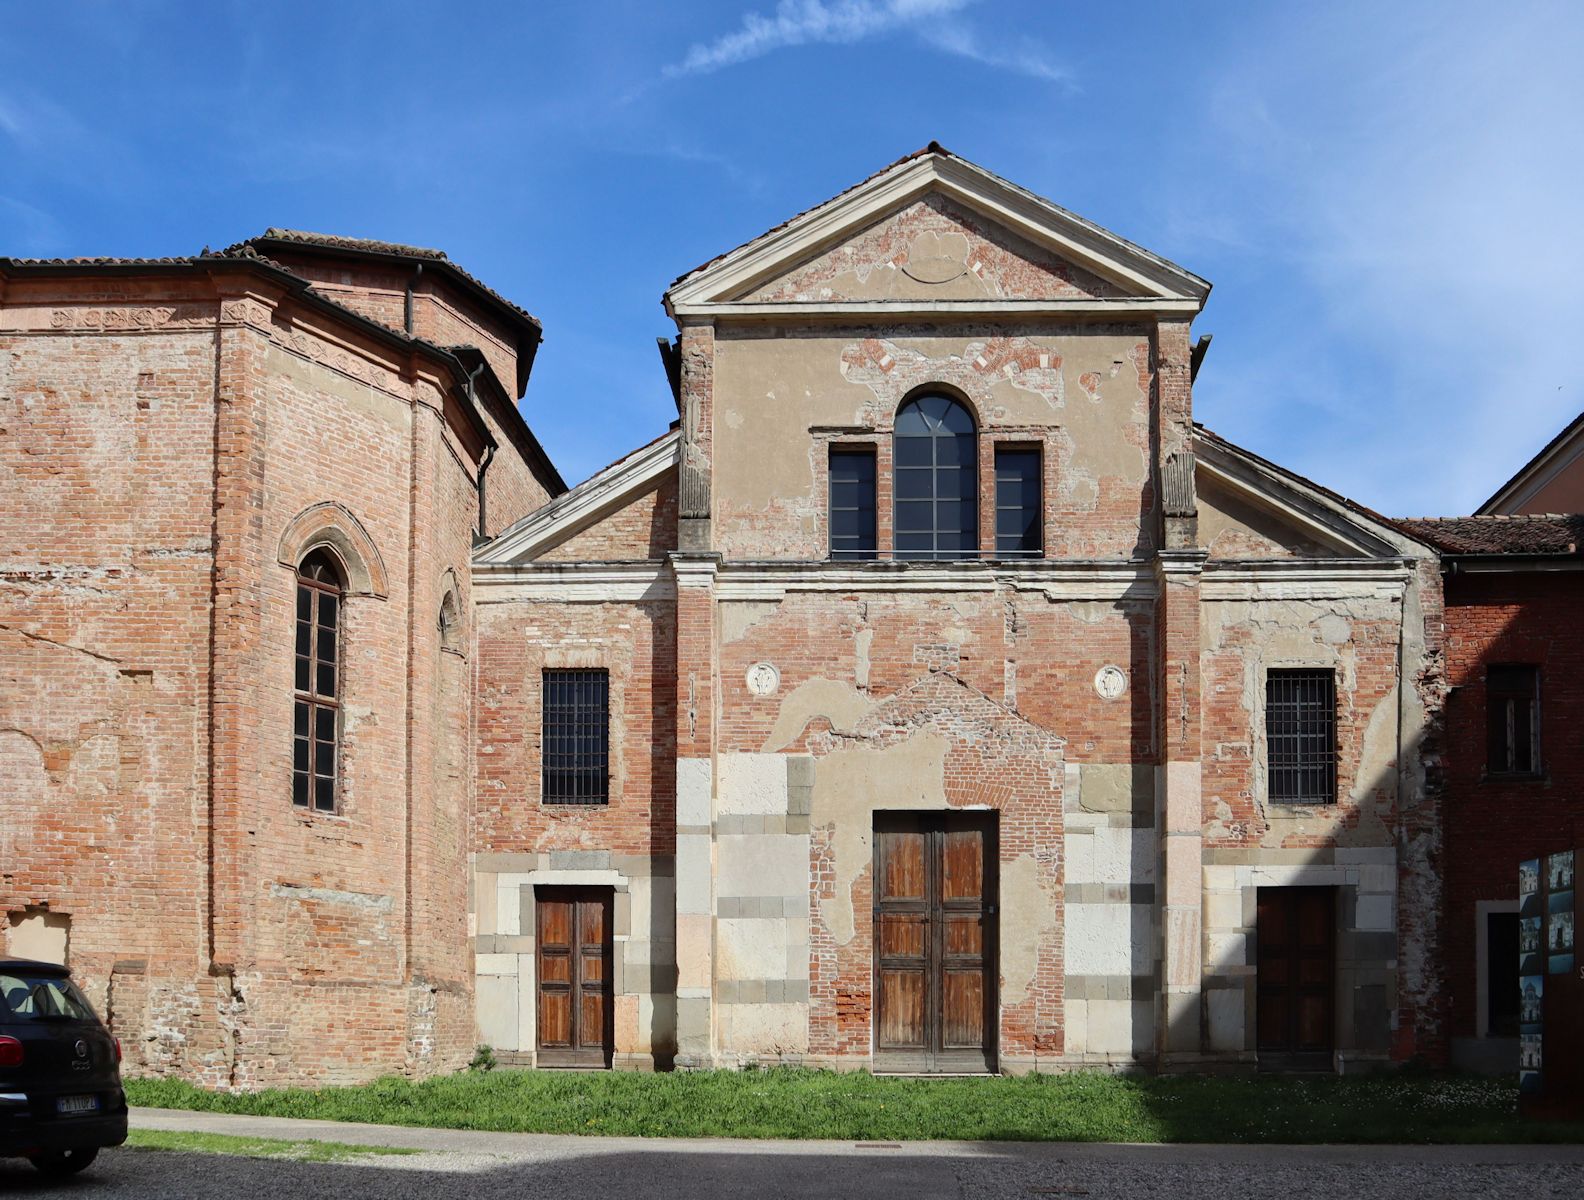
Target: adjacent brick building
<point x="1514" y="761"/>
<point x="934" y="695"/>
<point x="180" y="437"/>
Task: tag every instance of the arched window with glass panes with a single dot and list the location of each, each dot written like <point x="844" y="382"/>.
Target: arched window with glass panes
<point x="316" y="716"/>
<point x="936" y="480"/>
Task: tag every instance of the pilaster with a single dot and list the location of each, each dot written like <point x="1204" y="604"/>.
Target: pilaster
<point x="695" y="873"/>
<point x="1181" y="1018"/>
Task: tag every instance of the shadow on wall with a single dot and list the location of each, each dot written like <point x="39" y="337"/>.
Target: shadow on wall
<point x="1386" y="993"/>
<point x="661" y="985"/>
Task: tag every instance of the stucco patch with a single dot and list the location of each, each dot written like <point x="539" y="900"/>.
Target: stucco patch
<point x="839" y="703"/>
<point x="1028" y="914"/>
<point x="738" y="617"/>
<point x="849" y="786"/>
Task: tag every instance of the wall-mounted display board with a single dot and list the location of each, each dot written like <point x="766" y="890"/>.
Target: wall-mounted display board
<point x="1550" y="984"/>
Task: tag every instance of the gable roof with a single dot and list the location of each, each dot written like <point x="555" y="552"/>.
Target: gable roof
<point x="1147" y="279"/>
<point x="1556" y="456"/>
<point x="1322" y="513"/>
<point x="601" y="494"/>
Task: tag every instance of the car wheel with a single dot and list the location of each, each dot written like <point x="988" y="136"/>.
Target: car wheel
<point x="64" y="1162"/>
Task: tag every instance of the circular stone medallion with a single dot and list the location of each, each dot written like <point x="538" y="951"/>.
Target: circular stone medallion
<point x="763" y="679"/>
<point x="1110" y="682"/>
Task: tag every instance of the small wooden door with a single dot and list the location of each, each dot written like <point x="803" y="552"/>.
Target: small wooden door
<point x="1297" y="977"/>
<point x="574" y="959"/>
<point x="934" y="928"/>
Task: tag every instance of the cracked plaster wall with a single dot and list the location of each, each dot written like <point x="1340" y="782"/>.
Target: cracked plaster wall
<point x="781" y="395"/>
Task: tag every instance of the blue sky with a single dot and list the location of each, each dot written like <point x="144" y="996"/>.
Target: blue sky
<point x="1385" y="195"/>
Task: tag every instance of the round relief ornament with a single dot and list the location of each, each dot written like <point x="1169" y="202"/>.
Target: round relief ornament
<point x="763" y="679"/>
<point x="1110" y="682"/>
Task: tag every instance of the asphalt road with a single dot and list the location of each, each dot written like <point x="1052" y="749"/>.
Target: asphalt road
<point x="482" y="1165"/>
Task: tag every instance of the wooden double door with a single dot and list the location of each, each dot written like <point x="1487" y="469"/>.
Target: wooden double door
<point x="1296" y="982"/>
<point x="573" y="949"/>
<point x="935" y="1002"/>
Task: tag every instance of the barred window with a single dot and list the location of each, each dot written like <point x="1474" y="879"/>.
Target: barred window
<point x="852" y="502"/>
<point x="1300" y="736"/>
<point x="576" y="737"/>
<point x="936" y="479"/>
<point x="1018" y="502"/>
<point x="316" y="717"/>
<point x="1512" y="710"/>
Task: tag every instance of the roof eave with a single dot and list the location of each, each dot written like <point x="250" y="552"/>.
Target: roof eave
<point x="300" y="290"/>
<point x="517" y="316"/>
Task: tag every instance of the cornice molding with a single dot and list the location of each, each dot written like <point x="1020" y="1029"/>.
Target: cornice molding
<point x="1144" y="276"/>
<point x="576" y="510"/>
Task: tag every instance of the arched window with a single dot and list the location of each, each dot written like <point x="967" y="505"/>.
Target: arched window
<point x="936" y="464"/>
<point x="316" y="719"/>
<point x="450" y="623"/>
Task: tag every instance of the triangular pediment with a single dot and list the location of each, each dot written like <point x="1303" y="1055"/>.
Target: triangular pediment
<point x="605" y="492"/>
<point x="934" y="248"/>
<point x="1251" y="509"/>
<point x="936" y="231"/>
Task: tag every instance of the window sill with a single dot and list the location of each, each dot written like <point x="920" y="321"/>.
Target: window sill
<point x="1501" y="777"/>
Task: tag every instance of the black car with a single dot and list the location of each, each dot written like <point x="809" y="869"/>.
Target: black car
<point x="60" y="1071"/>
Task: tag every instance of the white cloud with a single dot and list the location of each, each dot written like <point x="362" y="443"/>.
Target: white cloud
<point x="1413" y="174"/>
<point x="802" y="22"/>
<point x="1021" y="55"/>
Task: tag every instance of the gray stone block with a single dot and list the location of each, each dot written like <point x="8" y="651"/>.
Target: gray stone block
<point x="693" y="1027"/>
<point x="1368" y="948"/>
<point x="1371" y="1018"/>
<point x="506" y="864"/>
<point x="641" y="866"/>
<point x="580" y="860"/>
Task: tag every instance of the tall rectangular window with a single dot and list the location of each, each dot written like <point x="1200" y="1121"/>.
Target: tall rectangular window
<point x="1300" y="736"/>
<point x="576" y="767"/>
<point x="1512" y="712"/>
<point x="852" y="502"/>
<point x="1018" y="502"/>
<point x="317" y="684"/>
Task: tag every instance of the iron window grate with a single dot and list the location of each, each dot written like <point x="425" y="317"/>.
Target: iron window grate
<point x="1300" y="736"/>
<point x="576" y="744"/>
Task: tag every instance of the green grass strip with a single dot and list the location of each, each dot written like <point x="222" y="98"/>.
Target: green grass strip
<point x="1391" y="1107"/>
<point x="253" y="1147"/>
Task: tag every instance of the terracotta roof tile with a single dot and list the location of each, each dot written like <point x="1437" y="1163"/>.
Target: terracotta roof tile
<point x="1547" y="534"/>
<point x="331" y="241"/>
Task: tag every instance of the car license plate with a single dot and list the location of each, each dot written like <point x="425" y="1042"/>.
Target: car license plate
<point x="77" y="1104"/>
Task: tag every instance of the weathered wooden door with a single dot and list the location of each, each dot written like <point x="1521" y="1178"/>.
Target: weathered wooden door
<point x="934" y="929"/>
<point x="1297" y="977"/>
<point x="574" y="959"/>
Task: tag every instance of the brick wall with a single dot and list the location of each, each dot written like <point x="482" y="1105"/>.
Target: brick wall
<point x="165" y="443"/>
<point x="636" y="643"/>
<point x="1491" y="825"/>
<point x="645" y="528"/>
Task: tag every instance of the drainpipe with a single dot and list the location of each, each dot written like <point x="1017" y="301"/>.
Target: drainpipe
<point x="484" y="462"/>
<point x="407" y="308"/>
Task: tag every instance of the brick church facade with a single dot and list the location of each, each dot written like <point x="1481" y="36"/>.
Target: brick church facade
<point x="935" y="695"/>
